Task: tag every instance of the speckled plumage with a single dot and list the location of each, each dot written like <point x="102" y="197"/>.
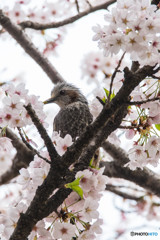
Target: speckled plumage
<point x="74" y="114"/>
<point x="72" y="119"/>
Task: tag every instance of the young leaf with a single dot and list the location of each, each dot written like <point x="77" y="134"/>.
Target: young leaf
<point x="157" y="126"/>
<point x="75" y="186"/>
<point x="106" y="91"/>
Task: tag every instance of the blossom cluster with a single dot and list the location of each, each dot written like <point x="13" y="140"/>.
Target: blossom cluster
<point x="78" y="213"/>
<point x="13" y="113"/>
<point x="73" y="218"/>
<point x="133" y="27"/>
<point x="98" y="69"/>
<point x="43" y="12"/>
<point x="148" y="153"/>
<point x="47" y="40"/>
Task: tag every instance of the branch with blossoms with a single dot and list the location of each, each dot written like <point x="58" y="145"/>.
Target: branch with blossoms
<point x="138" y="176"/>
<point x="144" y="101"/>
<point x="22" y="158"/>
<point x="51" y="185"/>
<point x="145" y="178"/>
<point x="16" y="32"/>
<point x="108" y="120"/>
<point x="40" y="26"/>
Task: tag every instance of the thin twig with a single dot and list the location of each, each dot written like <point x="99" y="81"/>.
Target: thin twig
<point x="127" y="127"/>
<point x="77" y="5"/>
<point x="100" y="100"/>
<point x="89" y="3"/>
<point x="23" y="139"/>
<point x="113" y="76"/>
<point x="144" y="101"/>
<point x="31" y="148"/>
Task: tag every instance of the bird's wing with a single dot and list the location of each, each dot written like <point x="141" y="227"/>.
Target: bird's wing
<point x="72" y="120"/>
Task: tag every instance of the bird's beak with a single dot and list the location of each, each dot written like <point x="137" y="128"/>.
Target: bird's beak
<point x="50" y="100"/>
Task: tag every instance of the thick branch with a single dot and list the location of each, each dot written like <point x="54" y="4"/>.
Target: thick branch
<point x="117" y="153"/>
<point x="27" y="221"/>
<point x="144" y="178"/>
<point x="39" y="26"/>
<point x="114" y="189"/>
<point x="17" y="33"/>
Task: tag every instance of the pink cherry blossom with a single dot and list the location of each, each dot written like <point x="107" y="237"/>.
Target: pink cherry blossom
<point x="89" y="211"/>
<point x="153" y="146"/>
<point x="88" y="181"/>
<point x="63" y="143"/>
<point x="64" y="231"/>
<point x="131" y="27"/>
<point x="5" y="144"/>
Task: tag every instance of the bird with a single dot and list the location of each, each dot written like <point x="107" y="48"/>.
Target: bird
<point x="74" y="115"/>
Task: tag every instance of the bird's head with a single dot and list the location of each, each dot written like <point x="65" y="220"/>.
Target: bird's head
<point x="64" y="94"/>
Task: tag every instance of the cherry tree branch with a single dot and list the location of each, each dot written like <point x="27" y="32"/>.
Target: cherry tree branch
<point x="16" y="32"/>
<point x="114" y="75"/>
<point x="77" y="6"/>
<point x="144" y="178"/>
<point x="115" y="190"/>
<point x="107" y="121"/>
<point x="40" y="26"/>
<point x="144" y="101"/>
<point x="22" y="158"/>
<point x="42" y="131"/>
<point x="31" y="148"/>
<point x="135" y="66"/>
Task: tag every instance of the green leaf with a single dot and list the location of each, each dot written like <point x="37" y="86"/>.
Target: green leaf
<point x="107" y="94"/>
<point x="157" y="126"/>
<point x="106" y="91"/>
<point x="75" y="186"/>
<point x="104" y="100"/>
<point x="78" y="190"/>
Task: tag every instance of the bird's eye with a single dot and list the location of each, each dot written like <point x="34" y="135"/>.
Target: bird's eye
<point x="62" y="92"/>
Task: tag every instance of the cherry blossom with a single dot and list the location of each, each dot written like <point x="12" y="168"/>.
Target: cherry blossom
<point x="64" y="231"/>
<point x="88" y="180"/>
<point x="137" y="157"/>
<point x="131" y="27"/>
<point x="63" y="143"/>
<point x="5" y="144"/>
<point x="24" y="178"/>
<point x="153" y="146"/>
<point x="89" y="211"/>
<point x="87" y="235"/>
<point x="40" y="232"/>
<point x="13" y="113"/>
